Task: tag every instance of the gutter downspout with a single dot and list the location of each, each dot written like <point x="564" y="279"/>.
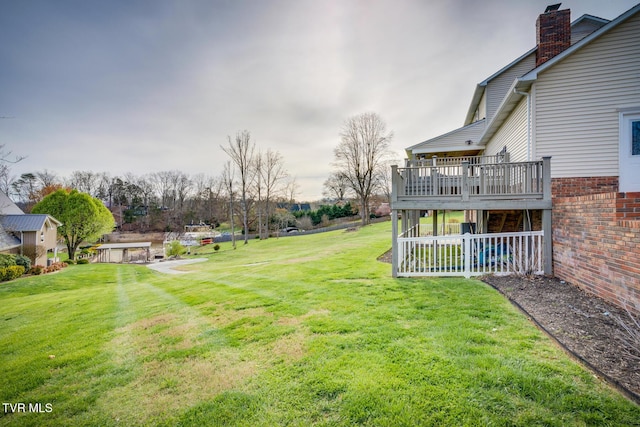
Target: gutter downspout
<point x="529" y="148"/>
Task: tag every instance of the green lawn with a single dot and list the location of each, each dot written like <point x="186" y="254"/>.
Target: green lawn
<point x="305" y="330"/>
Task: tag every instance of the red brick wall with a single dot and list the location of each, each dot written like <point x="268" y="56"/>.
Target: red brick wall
<point x="628" y="206"/>
<point x="596" y="245"/>
<point x="569" y="187"/>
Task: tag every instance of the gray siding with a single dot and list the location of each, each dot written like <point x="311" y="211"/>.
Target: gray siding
<point x="577" y="102"/>
<point x="512" y="134"/>
<point x="454" y="140"/>
<point x="497" y="88"/>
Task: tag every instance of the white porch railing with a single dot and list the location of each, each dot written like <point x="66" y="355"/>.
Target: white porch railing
<point x="471" y="254"/>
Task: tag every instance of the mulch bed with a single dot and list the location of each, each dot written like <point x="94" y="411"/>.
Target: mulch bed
<point x="588" y="327"/>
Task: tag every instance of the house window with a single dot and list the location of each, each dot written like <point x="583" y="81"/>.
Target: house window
<point x="635" y="138"/>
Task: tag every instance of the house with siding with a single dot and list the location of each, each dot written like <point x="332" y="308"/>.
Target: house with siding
<point x="550" y="144"/>
<point x="30" y="235"/>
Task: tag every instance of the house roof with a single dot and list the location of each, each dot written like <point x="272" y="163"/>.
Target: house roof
<point x="26" y="222"/>
<point x="461" y="139"/>
<point x="524" y="83"/>
<point x="131" y="245"/>
<point x="7" y="241"/>
<point x="480" y="88"/>
<point x="7" y="206"/>
<point x="576" y="26"/>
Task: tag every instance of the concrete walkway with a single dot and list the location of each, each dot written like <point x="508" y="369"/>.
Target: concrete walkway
<point x="168" y="267"/>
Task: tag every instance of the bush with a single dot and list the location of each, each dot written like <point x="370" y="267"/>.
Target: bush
<point x="175" y="249"/>
<point x="36" y="270"/>
<point x="216" y="247"/>
<point x="7" y="260"/>
<point x="69" y="261"/>
<point x="23" y="261"/>
<point x="82" y="261"/>
<point x="11" y="272"/>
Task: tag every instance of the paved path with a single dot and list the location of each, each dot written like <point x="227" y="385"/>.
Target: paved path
<point x="168" y="267"/>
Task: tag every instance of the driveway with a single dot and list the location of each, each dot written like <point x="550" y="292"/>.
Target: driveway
<point x="168" y="267"/>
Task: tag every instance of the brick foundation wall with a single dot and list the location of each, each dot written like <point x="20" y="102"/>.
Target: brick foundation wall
<point x="596" y="245"/>
<point x="628" y="206"/>
<point x="570" y="187"/>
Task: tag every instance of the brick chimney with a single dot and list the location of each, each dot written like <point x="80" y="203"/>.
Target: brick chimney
<point x="553" y="33"/>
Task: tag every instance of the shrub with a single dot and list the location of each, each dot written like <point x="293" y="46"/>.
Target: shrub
<point x="82" y="261"/>
<point x="175" y="249"/>
<point x="7" y="260"/>
<point x="36" y="270"/>
<point x="216" y="247"/>
<point x="69" y="261"/>
<point x="11" y="272"/>
<point x="23" y="261"/>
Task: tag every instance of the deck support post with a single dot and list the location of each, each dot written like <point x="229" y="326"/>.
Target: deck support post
<point x="548" y="242"/>
<point x="394" y="243"/>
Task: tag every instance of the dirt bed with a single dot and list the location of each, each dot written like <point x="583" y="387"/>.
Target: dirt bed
<point x="587" y="326"/>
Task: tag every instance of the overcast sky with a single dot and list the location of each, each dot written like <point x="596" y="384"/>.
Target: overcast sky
<point x="144" y="86"/>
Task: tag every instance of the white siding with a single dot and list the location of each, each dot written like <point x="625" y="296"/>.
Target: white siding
<point x="512" y="134"/>
<point x="576" y="102"/>
<point x="497" y="88"/>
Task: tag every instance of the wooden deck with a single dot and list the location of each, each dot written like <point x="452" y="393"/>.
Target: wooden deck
<point x="472" y="184"/>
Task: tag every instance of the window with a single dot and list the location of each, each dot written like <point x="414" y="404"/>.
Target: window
<point x="635" y="138"/>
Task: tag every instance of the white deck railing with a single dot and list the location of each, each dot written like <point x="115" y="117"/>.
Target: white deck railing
<point x="471" y="254"/>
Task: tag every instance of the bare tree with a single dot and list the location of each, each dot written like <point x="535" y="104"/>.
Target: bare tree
<point x="360" y="155"/>
<point x="6" y="159"/>
<point x="241" y="151"/>
<point x="291" y="188"/>
<point x="336" y="186"/>
<point x="385" y="179"/>
<point x="161" y="182"/>
<point x="47" y="178"/>
<point x="85" y="182"/>
<point x="270" y="174"/>
<point x="228" y="178"/>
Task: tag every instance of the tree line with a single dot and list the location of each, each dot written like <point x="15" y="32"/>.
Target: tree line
<point x="159" y="201"/>
<point x="249" y="190"/>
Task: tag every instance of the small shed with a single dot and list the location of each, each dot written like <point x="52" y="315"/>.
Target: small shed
<point x="124" y="252"/>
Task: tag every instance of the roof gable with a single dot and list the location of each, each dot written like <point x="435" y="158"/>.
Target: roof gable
<point x="26" y="222"/>
<point x="461" y="139"/>
<point x="580" y="28"/>
<point x="533" y="74"/>
<point x="7" y="206"/>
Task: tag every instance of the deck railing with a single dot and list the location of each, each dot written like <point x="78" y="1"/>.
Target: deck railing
<point x="472" y="179"/>
<point x="471" y="254"/>
<point x="447" y="161"/>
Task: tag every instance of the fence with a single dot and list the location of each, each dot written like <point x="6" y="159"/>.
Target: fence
<point x="471" y="254"/>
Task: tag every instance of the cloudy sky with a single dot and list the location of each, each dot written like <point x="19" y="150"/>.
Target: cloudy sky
<point x="144" y="86"/>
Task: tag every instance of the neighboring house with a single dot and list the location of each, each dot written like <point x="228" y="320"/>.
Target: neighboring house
<point x="551" y="145"/>
<point x="26" y="234"/>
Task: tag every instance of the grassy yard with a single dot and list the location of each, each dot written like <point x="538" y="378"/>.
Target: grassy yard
<point x="305" y="330"/>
